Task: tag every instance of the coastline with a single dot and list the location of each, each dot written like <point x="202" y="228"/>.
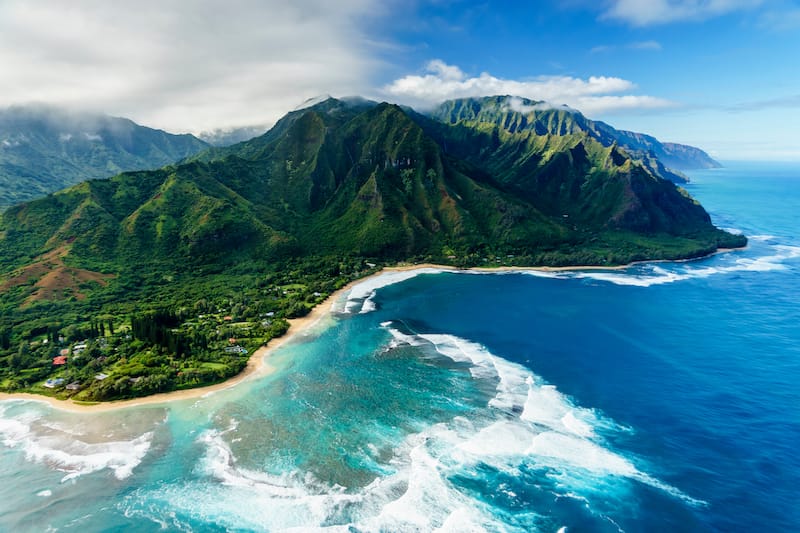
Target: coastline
<point x="257" y="365"/>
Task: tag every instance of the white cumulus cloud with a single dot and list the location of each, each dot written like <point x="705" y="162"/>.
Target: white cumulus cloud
<point x="652" y="12"/>
<point x="593" y="95"/>
<point x="183" y="65"/>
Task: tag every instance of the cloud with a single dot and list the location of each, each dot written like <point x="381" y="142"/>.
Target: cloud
<point x="594" y="95"/>
<point x="781" y="20"/>
<point x="638" y="45"/>
<point x="515" y="103"/>
<point x="646" y="45"/>
<point x="653" y="12"/>
<point x="602" y="49"/>
<point x="193" y="66"/>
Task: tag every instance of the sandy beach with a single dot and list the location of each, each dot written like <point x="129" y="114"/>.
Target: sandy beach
<point x="257" y="365"/>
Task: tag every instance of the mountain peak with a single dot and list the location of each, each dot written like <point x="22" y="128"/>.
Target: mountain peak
<point x="514" y="115"/>
<point x="313" y="101"/>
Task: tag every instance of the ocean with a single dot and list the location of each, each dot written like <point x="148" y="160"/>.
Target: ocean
<point x="661" y="397"/>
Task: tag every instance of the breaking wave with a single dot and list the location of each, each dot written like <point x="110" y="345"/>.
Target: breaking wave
<point x="359" y="298"/>
<point x="770" y="256"/>
<point x="526" y="428"/>
<point x="69" y="451"/>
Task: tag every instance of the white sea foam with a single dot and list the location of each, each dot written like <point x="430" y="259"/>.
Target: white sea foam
<point x="42" y="443"/>
<point x="402" y="338"/>
<point x="363" y="292"/>
<point x="78" y="458"/>
<point x="430" y="502"/>
<point x="360" y="299"/>
<point x="549" y="428"/>
<point x="14" y="430"/>
<point x="647" y="275"/>
<point x="416" y="496"/>
<point x="44" y="493"/>
<point x="525" y="423"/>
<point x="369" y="304"/>
<point x="735" y="231"/>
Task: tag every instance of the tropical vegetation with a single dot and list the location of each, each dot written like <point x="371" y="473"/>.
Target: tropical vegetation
<point x="160" y="280"/>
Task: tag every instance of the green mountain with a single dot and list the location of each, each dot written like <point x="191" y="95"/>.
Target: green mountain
<point x="45" y="149"/>
<point x="166" y="279"/>
<point x="378" y="181"/>
<point x="520" y="115"/>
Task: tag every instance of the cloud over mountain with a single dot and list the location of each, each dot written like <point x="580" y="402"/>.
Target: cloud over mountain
<point x="182" y="65"/>
<point x="596" y="94"/>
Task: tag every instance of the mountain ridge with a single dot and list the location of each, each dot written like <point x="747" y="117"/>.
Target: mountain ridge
<point x="515" y="114"/>
<point x="343" y="170"/>
<point x="44" y="149"/>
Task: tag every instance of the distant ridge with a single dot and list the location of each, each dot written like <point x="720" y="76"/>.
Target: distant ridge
<point x="44" y="149"/>
<point x="515" y="114"/>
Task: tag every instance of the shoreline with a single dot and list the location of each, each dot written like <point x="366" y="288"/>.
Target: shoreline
<point x="490" y="269"/>
<point x="257" y="365"/>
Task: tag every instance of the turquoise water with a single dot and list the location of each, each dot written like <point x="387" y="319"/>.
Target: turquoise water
<point x="660" y="397"/>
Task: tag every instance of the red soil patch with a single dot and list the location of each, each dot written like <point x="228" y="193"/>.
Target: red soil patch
<point x="54" y="279"/>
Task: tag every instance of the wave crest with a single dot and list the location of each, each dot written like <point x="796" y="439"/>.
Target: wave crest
<point x="67" y="450"/>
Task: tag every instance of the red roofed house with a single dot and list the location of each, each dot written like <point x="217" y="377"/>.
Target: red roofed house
<point x="60" y="360"/>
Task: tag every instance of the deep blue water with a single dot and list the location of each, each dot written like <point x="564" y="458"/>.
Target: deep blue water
<point x="662" y="397"/>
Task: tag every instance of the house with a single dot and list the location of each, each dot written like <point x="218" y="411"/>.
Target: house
<point x="74" y="386"/>
<point x="53" y="383"/>
<point x="100" y="377"/>
<point x="235" y="349"/>
<point x="60" y="360"/>
<point x="64" y="352"/>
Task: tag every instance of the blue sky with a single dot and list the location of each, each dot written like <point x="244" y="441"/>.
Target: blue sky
<point x="720" y="74"/>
